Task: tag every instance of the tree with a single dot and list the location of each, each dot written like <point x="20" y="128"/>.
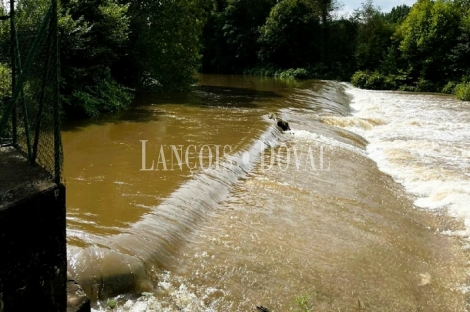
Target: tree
<point x="427" y="35"/>
<point x="243" y="18"/>
<point x="325" y="9"/>
<point x="398" y="14"/>
<point x="214" y="47"/>
<point x="374" y="36"/>
<point x="93" y="37"/>
<point x="163" y="51"/>
<point x="460" y="53"/>
<point x="291" y="36"/>
<point x="342" y="50"/>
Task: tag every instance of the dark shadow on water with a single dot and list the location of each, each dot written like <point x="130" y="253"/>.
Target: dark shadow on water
<point x="207" y="96"/>
<point x="201" y="96"/>
<point x="132" y="114"/>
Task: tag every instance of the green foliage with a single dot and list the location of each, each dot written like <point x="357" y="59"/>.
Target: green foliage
<point x="359" y="79"/>
<point x="291" y="35"/>
<point x="449" y="88"/>
<point x="427" y="35"/>
<point x="163" y="52"/>
<point x="415" y="49"/>
<point x="272" y="71"/>
<point x="427" y="52"/>
<point x="303" y="303"/>
<point x="269" y="70"/>
<point x="377" y="80"/>
<point x="299" y="73"/>
<point x="5" y="91"/>
<point x="459" y="54"/>
<point x="5" y="81"/>
<point x="341" y="63"/>
<point x="230" y="38"/>
<point x="216" y="54"/>
<point x="109" y="46"/>
<point x="462" y="91"/>
<point x="243" y="34"/>
<point x="112" y="303"/>
<point x="105" y="96"/>
<point x="93" y="37"/>
<point x="424" y="85"/>
<point x="374" y="36"/>
<point x="398" y="14"/>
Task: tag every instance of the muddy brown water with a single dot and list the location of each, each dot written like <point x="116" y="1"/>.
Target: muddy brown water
<point x="253" y="216"/>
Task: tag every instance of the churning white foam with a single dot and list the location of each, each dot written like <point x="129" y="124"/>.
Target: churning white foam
<point x="171" y="295"/>
<point x="325" y="141"/>
<point x="423" y="143"/>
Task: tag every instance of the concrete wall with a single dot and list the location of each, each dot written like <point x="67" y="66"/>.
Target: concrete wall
<point x="33" y="250"/>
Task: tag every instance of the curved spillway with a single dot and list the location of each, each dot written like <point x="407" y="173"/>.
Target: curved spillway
<point x="124" y="262"/>
<point x="301" y="213"/>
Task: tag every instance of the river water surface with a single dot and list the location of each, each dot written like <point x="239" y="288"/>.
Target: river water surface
<point x="362" y="206"/>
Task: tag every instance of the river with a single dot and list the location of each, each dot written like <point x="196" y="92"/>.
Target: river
<point x="200" y="203"/>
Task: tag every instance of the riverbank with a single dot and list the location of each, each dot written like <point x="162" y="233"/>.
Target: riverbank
<point x="378" y="81"/>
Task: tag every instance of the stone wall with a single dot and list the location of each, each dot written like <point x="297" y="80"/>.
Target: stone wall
<point x="33" y="250"/>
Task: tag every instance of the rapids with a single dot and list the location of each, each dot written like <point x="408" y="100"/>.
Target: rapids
<point x="345" y="212"/>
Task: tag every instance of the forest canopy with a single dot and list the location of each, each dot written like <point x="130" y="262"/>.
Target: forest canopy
<point x="110" y="49"/>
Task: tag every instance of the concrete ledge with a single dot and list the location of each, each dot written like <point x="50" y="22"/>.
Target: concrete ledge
<point x="33" y="249"/>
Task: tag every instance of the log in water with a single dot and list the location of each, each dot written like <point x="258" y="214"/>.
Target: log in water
<point x="252" y="216"/>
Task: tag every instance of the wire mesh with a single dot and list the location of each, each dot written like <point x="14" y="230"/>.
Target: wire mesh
<point x="29" y="110"/>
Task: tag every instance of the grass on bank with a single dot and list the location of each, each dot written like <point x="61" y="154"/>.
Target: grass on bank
<point x="271" y="71"/>
<point x="462" y="91"/>
<point x="369" y="80"/>
<point x="378" y="81"/>
<point x="317" y="71"/>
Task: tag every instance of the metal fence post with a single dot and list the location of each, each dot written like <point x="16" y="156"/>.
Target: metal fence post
<point x="13" y="70"/>
<point x="57" y="140"/>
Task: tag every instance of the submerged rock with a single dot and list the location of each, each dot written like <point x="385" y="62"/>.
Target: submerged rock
<point x="281" y="123"/>
<point x="77" y="300"/>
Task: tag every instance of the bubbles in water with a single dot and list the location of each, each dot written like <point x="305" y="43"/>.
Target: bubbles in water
<point x="172" y="294"/>
<point x="246" y="158"/>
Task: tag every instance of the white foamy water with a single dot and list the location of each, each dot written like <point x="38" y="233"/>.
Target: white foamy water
<point x="321" y="139"/>
<point x="422" y="141"/>
<point x="330" y="226"/>
<point x="173" y="295"/>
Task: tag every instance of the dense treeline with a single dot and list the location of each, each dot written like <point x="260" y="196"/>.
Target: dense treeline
<point x="111" y="48"/>
<point x="268" y="37"/>
<point x="423" y="48"/>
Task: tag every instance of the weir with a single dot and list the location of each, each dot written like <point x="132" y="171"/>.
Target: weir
<point x="343" y="234"/>
<point x="126" y="267"/>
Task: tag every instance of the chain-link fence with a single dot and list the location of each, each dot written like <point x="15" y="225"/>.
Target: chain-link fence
<point x="29" y="84"/>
